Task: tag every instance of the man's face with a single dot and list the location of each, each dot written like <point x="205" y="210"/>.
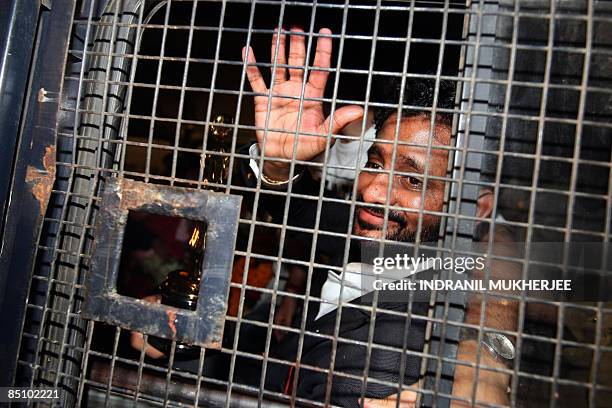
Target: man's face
<point x="406" y="189"/>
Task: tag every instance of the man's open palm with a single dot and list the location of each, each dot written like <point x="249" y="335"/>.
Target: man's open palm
<point x="285" y="103"/>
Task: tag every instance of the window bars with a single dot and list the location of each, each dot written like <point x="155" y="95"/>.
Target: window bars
<point x="158" y="92"/>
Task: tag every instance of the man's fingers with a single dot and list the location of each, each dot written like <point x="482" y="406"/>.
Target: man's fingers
<point x="374" y="403"/>
<point x="407" y="400"/>
<point x="322" y="59"/>
<point x="407" y="397"/>
<point x="280" y="57"/>
<point x="342" y="117"/>
<point x="297" y="54"/>
<point x="255" y="79"/>
<point x="153" y="298"/>
<point x="137" y="342"/>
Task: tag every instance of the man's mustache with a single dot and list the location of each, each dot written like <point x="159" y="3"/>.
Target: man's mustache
<point x="394" y="215"/>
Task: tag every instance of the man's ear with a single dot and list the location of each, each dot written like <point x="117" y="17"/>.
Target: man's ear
<point x="484" y="206"/>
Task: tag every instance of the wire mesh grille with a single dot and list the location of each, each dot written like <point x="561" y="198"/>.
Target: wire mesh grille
<point x="159" y="92"/>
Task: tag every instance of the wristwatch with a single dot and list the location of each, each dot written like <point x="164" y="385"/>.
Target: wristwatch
<point x="498" y="345"/>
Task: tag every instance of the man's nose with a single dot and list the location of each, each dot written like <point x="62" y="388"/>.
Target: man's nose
<point x="376" y="191"/>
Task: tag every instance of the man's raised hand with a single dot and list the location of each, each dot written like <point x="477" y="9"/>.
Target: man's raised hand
<point x="285" y="103"/>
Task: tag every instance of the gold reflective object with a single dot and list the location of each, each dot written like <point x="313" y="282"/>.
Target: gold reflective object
<point x="219" y="141"/>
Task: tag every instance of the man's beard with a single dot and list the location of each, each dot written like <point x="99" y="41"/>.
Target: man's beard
<point x="402" y="234"/>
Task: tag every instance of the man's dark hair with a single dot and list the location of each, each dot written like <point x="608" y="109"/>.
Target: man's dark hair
<point x="418" y="92"/>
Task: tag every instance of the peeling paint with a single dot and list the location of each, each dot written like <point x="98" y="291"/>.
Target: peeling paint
<point x="41" y="181"/>
<point x="214" y="345"/>
<point x="134" y="195"/>
<point x="43" y="96"/>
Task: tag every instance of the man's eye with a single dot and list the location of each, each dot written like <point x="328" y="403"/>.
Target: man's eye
<point x="413" y="182"/>
<point x="372" y="165"/>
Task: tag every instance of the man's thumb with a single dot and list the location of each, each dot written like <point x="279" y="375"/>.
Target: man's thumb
<point x="343" y="117"/>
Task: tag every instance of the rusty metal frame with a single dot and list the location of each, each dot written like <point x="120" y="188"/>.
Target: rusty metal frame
<point x="202" y="327"/>
<point x="34" y="167"/>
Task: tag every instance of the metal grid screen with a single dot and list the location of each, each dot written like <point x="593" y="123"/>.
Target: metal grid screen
<point x="443" y="123"/>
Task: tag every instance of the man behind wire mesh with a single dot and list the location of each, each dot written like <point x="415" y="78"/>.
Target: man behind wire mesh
<point x="286" y="115"/>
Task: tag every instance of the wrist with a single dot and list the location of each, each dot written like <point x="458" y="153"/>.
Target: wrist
<point x="491" y="386"/>
<point x="273" y="175"/>
<point x="277" y="171"/>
